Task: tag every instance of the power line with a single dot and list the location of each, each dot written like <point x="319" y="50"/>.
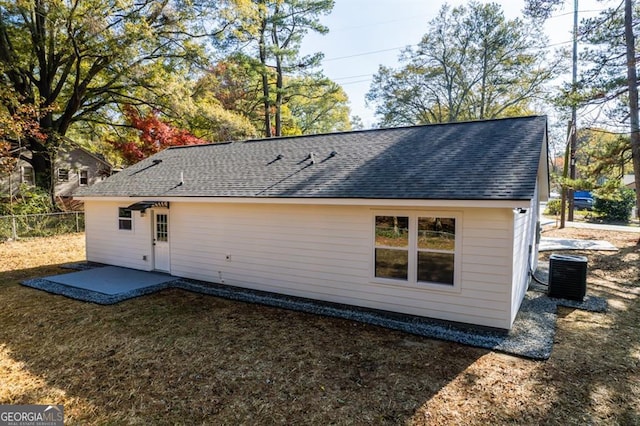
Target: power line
<point x="352" y="76"/>
<point x="411" y="18"/>
<point x="580" y="11"/>
<point x="375" y="24"/>
<point x="372" y="52"/>
<point x="357" y="82"/>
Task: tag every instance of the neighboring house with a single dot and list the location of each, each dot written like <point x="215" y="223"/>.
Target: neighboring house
<point x="438" y="220"/>
<point x="74" y="167"/>
<point x="629" y="181"/>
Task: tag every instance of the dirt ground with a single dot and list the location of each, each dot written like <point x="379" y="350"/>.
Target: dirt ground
<point x="176" y="357"/>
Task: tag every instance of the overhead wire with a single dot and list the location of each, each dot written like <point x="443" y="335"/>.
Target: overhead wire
<point x="373" y="52"/>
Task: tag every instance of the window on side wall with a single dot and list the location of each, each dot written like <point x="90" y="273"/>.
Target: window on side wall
<point x="436" y="249"/>
<point x="417" y="248"/>
<point x="63" y="175"/>
<point x="83" y="176"/>
<point x="28" y="176"/>
<point x="392" y="247"/>
<point x="125" y="219"/>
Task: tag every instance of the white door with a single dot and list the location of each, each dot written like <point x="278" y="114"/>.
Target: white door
<point x="161" y="241"/>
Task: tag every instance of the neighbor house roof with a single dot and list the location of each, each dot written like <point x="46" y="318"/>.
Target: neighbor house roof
<point x="478" y="160"/>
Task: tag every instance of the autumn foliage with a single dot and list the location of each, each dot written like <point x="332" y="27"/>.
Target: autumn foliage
<point x="155" y="135"/>
<point x="18" y="123"/>
<point x="6" y="160"/>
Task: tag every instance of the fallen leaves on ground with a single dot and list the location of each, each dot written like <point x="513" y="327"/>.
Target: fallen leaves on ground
<point x="180" y="357"/>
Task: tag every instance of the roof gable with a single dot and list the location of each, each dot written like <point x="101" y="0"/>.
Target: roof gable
<point x="479" y="160"/>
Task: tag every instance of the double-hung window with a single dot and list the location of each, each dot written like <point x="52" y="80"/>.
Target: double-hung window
<point x="83" y="177"/>
<point x="417" y="248"/>
<point x="28" y="176"/>
<point x="125" y="219"/>
<point x="63" y="175"/>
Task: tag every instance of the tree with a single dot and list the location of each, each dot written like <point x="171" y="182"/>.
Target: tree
<point x="610" y="80"/>
<point x="154" y="136"/>
<point x="471" y="64"/>
<point x="275" y="29"/>
<point x="186" y="105"/>
<point x="78" y="59"/>
<point x="17" y="122"/>
<point x="541" y="9"/>
<point x="632" y="84"/>
<point x="317" y="106"/>
<point x="313" y="104"/>
<point x="235" y="82"/>
<point x="603" y="156"/>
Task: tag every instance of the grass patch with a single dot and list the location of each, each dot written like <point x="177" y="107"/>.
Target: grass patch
<point x="177" y="357"/>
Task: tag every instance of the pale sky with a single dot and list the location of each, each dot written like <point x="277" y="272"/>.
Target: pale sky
<point x="366" y="33"/>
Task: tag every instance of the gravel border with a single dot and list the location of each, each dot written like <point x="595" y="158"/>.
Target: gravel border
<point x="531" y="336"/>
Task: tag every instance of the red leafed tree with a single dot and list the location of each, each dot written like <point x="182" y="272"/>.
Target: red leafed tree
<point x="155" y="136"/>
<point x="18" y="122"/>
<point x="6" y="160"/>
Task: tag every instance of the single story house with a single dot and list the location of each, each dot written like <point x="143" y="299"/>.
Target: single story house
<point x="437" y="220"/>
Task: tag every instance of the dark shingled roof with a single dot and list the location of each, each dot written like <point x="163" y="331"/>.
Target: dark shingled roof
<point x="478" y="160"/>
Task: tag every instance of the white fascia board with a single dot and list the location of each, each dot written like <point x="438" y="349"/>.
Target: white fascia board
<point x="325" y="201"/>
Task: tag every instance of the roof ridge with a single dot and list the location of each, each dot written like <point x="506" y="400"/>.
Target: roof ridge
<point x="359" y="131"/>
<point x="200" y="144"/>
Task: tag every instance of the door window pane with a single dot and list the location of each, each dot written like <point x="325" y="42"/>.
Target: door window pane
<point x="162" y="229"/>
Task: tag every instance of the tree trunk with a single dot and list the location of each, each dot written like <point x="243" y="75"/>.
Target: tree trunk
<point x="265" y="81"/>
<point x="632" y="81"/>
<point x="279" y="84"/>
<point x="266" y="103"/>
<point x="42" y="167"/>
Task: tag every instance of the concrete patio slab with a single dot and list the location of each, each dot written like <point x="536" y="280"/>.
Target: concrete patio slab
<point x="111" y="280"/>
<point x="547" y="244"/>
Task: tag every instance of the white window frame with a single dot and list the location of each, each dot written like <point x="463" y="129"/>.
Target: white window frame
<point x="121" y="218"/>
<point x="67" y="177"/>
<point x="412" y="273"/>
<point x="80" y="177"/>
<point x="23" y="175"/>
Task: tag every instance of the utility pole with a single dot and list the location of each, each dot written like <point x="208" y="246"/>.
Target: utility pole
<point x="574" y="115"/>
<point x="632" y="82"/>
<point x="565" y="172"/>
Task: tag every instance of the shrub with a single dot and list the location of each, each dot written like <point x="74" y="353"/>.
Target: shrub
<point x="615" y="205"/>
<point x="553" y="207"/>
<point x="30" y="200"/>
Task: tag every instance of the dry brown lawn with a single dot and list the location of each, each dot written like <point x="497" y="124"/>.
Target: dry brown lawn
<point x="181" y="358"/>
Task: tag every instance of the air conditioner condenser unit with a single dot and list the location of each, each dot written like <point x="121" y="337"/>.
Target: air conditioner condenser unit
<point x="567" y="277"/>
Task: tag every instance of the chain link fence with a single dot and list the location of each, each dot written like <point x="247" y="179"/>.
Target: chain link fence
<point x="40" y="225"/>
